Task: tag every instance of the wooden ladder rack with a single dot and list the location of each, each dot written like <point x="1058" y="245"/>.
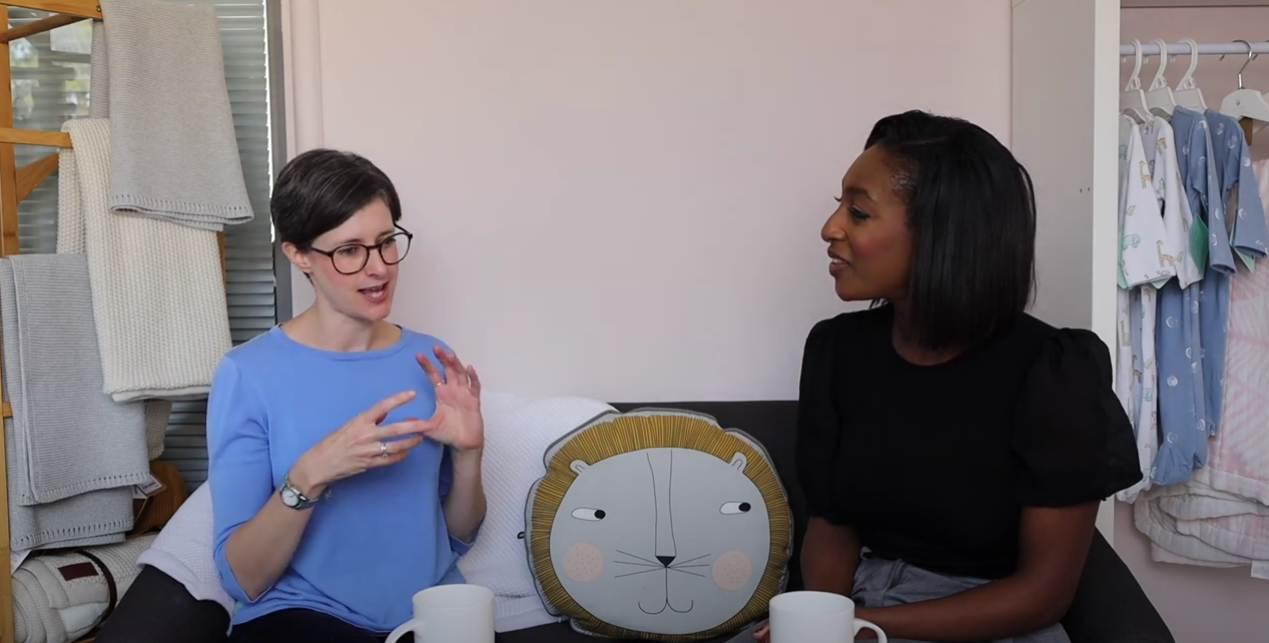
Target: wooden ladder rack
<point x="16" y="184"/>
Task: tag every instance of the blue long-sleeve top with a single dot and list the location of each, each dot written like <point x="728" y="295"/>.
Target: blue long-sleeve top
<point x="381" y="535"/>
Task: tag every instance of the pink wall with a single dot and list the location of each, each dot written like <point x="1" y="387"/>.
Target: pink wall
<point x="1200" y="604"/>
<point x="622" y="200"/>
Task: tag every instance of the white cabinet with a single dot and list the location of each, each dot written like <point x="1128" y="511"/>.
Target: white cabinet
<point x="1065" y="132"/>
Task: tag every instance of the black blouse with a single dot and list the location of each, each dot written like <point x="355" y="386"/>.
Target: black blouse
<point x="933" y="464"/>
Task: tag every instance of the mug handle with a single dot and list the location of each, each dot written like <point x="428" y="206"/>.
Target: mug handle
<point x="860" y="624"/>
<point x="415" y="625"/>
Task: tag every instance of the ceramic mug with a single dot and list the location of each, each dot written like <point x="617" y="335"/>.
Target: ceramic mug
<point x="823" y="617"/>
<point x="450" y="614"/>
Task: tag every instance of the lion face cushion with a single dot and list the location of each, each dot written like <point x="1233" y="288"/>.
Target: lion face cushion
<point x="658" y="524"/>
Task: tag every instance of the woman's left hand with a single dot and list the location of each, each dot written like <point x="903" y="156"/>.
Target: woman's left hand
<point x="461" y="425"/>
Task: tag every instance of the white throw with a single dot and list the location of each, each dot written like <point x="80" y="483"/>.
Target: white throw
<point x="158" y="295"/>
<point x="183" y="550"/>
<point x="518" y="431"/>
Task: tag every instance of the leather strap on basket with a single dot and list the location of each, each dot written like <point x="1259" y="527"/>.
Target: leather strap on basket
<point x="111" y="587"/>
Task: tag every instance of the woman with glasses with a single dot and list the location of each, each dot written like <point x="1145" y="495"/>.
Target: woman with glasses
<point x="344" y="450"/>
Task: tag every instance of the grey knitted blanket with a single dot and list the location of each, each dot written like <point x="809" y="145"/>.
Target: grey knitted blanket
<point x="176" y="157"/>
<point x="91" y="518"/>
<point x="71" y="437"/>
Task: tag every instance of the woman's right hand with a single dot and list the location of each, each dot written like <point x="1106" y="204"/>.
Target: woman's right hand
<point x="359" y="445"/>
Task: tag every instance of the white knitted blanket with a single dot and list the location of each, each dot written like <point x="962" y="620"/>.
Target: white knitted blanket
<point x="61" y="597"/>
<point x="158" y="295"/>
<point x="161" y="66"/>
<point x="518" y="431"/>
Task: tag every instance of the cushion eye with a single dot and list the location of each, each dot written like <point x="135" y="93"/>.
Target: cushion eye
<point x="593" y="515"/>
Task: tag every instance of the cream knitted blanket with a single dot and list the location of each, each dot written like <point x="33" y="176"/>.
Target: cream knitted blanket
<point x="158" y="296"/>
<point x="61" y="597"/>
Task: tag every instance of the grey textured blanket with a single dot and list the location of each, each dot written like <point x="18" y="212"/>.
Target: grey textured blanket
<point x="176" y="157"/>
<point x="94" y="517"/>
<point x="71" y="437"/>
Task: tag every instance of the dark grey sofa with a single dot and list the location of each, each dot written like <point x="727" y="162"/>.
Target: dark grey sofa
<point x="1109" y="606"/>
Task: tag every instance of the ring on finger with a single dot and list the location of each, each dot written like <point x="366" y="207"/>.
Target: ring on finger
<point x="383" y="449"/>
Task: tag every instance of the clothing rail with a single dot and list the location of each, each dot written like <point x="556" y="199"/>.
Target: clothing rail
<point x="1204" y="49"/>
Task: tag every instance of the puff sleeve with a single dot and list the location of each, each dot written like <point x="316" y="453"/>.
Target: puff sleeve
<point x="818" y="424"/>
<point x="1072" y="437"/>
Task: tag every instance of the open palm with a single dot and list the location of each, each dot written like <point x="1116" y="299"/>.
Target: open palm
<point x="460" y="424"/>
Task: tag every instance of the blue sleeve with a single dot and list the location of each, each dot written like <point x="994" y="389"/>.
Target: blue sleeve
<point x="458" y="546"/>
<point x="446" y="475"/>
<point x="239" y="469"/>
<point x="1220" y="254"/>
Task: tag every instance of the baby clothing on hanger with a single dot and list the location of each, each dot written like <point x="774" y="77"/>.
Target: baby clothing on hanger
<point x="1220" y="517"/>
<point x="1142" y="265"/>
<point x="1248" y="233"/>
<point x="1239" y="462"/>
<point x="1224" y="171"/>
<point x="1182" y="408"/>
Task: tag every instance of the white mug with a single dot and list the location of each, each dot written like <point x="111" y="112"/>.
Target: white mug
<point x="823" y="617"/>
<point x="450" y="614"/>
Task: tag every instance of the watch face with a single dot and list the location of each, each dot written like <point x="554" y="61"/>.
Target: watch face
<point x="289" y="497"/>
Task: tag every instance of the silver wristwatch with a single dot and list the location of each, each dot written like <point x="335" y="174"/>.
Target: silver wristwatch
<point x="292" y="497"/>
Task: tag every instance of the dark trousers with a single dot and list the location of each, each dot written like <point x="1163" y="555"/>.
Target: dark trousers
<point x="302" y="626"/>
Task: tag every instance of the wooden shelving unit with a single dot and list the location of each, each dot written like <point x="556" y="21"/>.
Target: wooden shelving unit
<point x="16" y="183"/>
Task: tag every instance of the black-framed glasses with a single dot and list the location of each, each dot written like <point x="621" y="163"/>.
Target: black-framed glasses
<point x="351" y="258"/>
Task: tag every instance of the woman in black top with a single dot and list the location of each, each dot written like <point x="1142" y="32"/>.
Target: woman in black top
<point x="953" y="449"/>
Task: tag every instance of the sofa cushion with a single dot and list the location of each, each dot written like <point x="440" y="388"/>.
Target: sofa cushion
<point x="658" y="523"/>
<point x="518" y="429"/>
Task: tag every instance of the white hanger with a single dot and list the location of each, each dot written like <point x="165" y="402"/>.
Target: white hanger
<point x="1132" y="101"/>
<point x="1187" y="94"/>
<point x="1159" y="99"/>
<point x="1244" y="102"/>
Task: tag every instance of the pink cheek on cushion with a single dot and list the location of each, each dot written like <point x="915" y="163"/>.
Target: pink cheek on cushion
<point x="732" y="570"/>
<point x="583" y="562"/>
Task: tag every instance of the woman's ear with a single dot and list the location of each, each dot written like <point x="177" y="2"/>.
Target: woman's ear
<point x="297" y="258"/>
